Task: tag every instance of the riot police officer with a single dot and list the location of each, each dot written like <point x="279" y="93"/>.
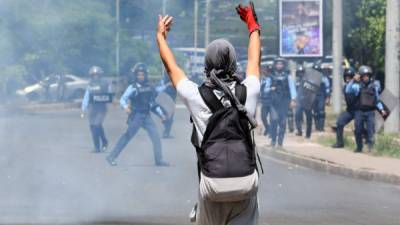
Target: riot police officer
<point x="322" y="98"/>
<point x="265" y="99"/>
<point x="283" y="95"/>
<point x="138" y="102"/>
<point x="302" y="108"/>
<point x="348" y="115"/>
<point x="367" y="100"/>
<point x="95" y="99"/>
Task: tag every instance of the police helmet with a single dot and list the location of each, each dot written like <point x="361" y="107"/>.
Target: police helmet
<point x="95" y="70"/>
<point x="280" y="60"/>
<point x="365" y="70"/>
<point x="349" y="72"/>
<point x="139" y="67"/>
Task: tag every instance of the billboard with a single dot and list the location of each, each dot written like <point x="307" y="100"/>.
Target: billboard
<point x="300" y="23"/>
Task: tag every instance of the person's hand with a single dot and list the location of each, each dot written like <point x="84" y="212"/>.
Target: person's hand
<point x="383" y="112"/>
<point x="248" y="15"/>
<point x="128" y="110"/>
<point x="292" y="104"/>
<point x="273" y="88"/>
<point x="164" y="25"/>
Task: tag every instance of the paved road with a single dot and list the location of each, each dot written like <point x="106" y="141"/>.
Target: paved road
<point x="49" y="176"/>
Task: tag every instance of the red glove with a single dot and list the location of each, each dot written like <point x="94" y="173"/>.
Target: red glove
<point x="248" y="15"/>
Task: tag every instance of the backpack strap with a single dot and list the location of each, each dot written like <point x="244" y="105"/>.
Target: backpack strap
<point x="241" y="93"/>
<point x="196" y="144"/>
<point x="208" y="96"/>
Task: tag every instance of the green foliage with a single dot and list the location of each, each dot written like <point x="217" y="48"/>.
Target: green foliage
<point x="387" y="145"/>
<point x="365" y="41"/>
<point x="57" y="36"/>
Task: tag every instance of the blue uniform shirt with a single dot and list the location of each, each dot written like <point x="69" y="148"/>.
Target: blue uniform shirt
<point x="355" y="88"/>
<point x="131" y="90"/>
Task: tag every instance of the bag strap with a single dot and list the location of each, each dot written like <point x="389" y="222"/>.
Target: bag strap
<point x="241" y="93"/>
<point x="208" y="96"/>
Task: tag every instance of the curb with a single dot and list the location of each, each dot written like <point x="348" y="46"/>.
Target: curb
<point x="331" y="167"/>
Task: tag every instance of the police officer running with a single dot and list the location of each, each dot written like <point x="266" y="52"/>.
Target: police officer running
<point x="94" y="101"/>
<point x="138" y="102"/>
<point x="283" y="94"/>
<point x="348" y="115"/>
<point x="367" y="100"/>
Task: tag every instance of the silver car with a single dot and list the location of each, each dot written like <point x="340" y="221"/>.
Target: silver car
<point x="48" y="89"/>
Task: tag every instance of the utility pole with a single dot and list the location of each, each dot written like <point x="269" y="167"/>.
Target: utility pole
<point x="196" y="17"/>
<point x="207" y="25"/>
<point x="337" y="55"/>
<point x="392" y="61"/>
<point x="117" y="44"/>
<point x="164" y="7"/>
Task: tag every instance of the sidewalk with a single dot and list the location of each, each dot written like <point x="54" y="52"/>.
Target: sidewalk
<point x="336" y="161"/>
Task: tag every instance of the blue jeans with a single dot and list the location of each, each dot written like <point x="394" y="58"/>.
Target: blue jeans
<point x="299" y="120"/>
<point x="319" y="112"/>
<point x="364" y="121"/>
<point x="343" y="119"/>
<point x="278" y="120"/>
<point x="135" y="122"/>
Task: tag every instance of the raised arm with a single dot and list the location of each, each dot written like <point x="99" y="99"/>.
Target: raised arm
<point x="175" y="73"/>
<point x="248" y="15"/>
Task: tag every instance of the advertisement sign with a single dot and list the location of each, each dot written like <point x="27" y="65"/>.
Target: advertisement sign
<point x="301" y="32"/>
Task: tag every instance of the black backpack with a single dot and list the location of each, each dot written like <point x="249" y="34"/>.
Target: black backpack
<point x="227" y="149"/>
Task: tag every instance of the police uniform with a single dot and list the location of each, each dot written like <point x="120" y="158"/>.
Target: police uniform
<point x="282" y="90"/>
<point x="301" y="109"/>
<point x="319" y="104"/>
<point x="140" y="97"/>
<point x="95" y="103"/>
<point x="367" y="100"/>
<point x="265" y="100"/>
<point x="348" y="115"/>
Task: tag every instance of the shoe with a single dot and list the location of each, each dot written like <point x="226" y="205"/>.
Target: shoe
<point x="357" y="151"/>
<point x="338" y="145"/>
<point x="308" y="136"/>
<point x="299" y="133"/>
<point x="273" y="144"/>
<point x="111" y="161"/>
<point x="104" y="147"/>
<point x="162" y="163"/>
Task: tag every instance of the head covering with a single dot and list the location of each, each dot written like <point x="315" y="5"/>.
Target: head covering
<point x="139" y="67"/>
<point x="220" y="59"/>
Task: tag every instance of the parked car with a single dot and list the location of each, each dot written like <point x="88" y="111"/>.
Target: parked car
<point x="47" y="89"/>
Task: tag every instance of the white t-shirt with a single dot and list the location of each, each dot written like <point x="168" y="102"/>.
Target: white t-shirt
<point x="189" y="92"/>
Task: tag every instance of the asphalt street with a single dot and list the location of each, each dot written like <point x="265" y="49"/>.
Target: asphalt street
<point x="49" y="176"/>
